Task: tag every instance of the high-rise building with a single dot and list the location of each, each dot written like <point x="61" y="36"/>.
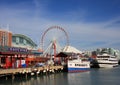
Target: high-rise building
<point x="5" y="38"/>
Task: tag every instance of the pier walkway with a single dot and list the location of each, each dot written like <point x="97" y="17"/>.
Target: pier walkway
<point x="30" y="70"/>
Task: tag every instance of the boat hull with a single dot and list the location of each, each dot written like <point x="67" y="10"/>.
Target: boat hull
<point x="78" y="69"/>
<point x="78" y="66"/>
<point x="107" y="64"/>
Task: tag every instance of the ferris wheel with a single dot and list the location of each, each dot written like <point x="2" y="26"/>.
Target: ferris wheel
<point x="55" y="38"/>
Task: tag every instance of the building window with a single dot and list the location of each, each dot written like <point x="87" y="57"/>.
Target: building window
<point x="24" y="42"/>
<point x="17" y="40"/>
<point x="21" y="40"/>
<point x="13" y="39"/>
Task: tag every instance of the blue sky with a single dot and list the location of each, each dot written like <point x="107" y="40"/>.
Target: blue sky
<point x="90" y="24"/>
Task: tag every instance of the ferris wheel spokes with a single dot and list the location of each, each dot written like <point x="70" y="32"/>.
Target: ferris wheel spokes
<point x="57" y="41"/>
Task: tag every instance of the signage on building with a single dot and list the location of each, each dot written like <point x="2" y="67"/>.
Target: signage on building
<point x="14" y="49"/>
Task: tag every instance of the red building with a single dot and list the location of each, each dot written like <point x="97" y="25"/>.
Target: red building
<point x="17" y="50"/>
<point x="13" y="57"/>
<point x="5" y="38"/>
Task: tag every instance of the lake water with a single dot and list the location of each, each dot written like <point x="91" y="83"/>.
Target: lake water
<point x="99" y="76"/>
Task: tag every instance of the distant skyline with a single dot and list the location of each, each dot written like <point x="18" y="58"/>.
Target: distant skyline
<point x="90" y="24"/>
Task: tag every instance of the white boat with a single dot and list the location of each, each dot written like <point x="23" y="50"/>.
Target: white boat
<point x="106" y="60"/>
<point x="77" y="65"/>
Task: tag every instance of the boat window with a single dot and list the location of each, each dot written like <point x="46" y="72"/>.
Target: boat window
<point x="103" y="56"/>
<point x="80" y="64"/>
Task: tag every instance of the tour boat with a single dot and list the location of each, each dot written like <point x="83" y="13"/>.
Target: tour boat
<point x="78" y="65"/>
<point x="107" y="61"/>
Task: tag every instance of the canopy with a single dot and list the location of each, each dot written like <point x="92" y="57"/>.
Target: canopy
<point x="71" y="49"/>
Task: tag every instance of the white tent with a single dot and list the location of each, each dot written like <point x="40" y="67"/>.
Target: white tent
<point x="71" y="49"/>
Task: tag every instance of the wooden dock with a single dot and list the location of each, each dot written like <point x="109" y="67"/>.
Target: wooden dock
<point x="37" y="70"/>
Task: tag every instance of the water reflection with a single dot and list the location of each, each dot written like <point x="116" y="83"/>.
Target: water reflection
<point x="82" y="78"/>
<point x="93" y="77"/>
<point x="52" y="79"/>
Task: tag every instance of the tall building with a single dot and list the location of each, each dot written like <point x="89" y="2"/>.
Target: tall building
<point x="5" y="38"/>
